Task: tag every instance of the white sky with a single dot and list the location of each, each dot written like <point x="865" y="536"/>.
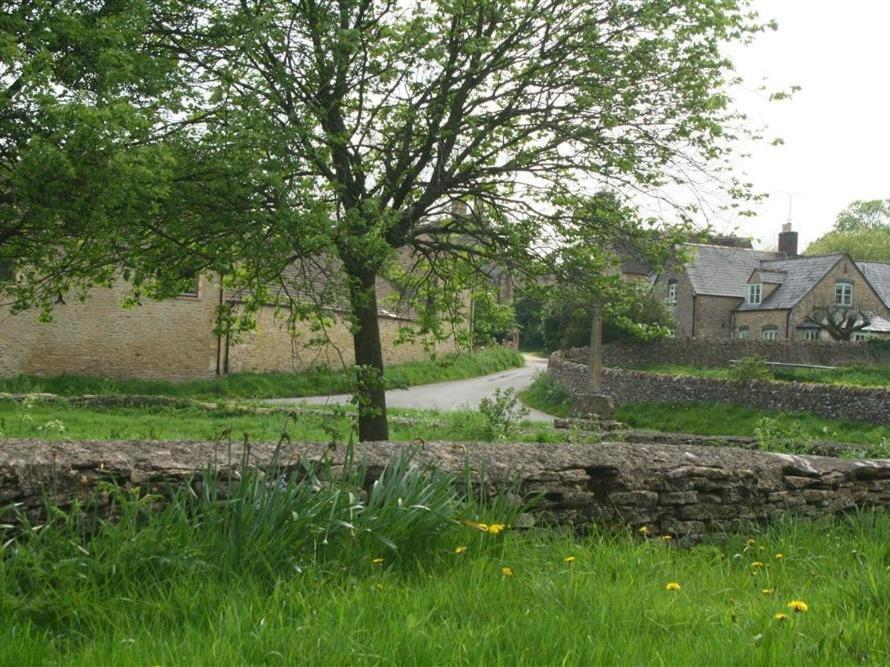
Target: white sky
<point x="836" y="129"/>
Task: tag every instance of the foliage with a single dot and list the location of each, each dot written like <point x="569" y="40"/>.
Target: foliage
<point x="862" y="230"/>
<point x="502" y="411"/>
<point x="781" y="436"/>
<point x="319" y="381"/>
<point x="302" y="147"/>
<point x="492" y="321"/>
<point x="750" y="368"/>
<point x="858" y="376"/>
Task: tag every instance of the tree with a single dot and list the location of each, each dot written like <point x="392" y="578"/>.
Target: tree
<point x="862" y="230"/>
<point x="328" y="135"/>
<point x="839" y="322"/>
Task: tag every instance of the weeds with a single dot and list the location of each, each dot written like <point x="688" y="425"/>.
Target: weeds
<point x="502" y="412"/>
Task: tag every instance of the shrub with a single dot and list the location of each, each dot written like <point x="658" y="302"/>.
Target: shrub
<point x="503" y="412"/>
<point x="751" y="368"/>
<point x="775" y="436"/>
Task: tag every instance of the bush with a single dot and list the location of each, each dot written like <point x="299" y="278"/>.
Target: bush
<point x="751" y="368"/>
<point x="503" y="412"/>
<point x="775" y="436"/>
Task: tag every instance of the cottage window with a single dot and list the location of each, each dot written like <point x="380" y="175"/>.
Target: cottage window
<point x="755" y="293"/>
<point x="672" y="293"/>
<point x="859" y="337"/>
<point x="843" y="293"/>
<point x="769" y="332"/>
<point x="742" y="333"/>
<point x="811" y="334"/>
<point x="194" y="282"/>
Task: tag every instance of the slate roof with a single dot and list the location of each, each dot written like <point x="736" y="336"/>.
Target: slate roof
<point x="879" y="276"/>
<point x="878" y="325"/>
<point x="773" y="277"/>
<point x="801" y="275"/>
<point x="723" y="271"/>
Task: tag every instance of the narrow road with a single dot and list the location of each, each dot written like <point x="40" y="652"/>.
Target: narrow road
<point x="453" y="395"/>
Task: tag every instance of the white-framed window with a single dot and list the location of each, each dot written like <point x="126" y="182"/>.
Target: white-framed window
<point x="743" y="333"/>
<point x="811" y="334"/>
<point x="769" y="332"/>
<point x="672" y="293"/>
<point x="843" y="293"/>
<point x="755" y="293"/>
<point x="859" y="336"/>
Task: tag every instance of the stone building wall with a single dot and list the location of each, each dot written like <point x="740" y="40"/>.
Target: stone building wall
<point x="173" y="339"/>
<point x="713" y="316"/>
<point x="717" y="353"/>
<point x="865" y="404"/>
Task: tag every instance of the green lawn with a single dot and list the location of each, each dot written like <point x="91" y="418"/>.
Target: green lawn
<point x="309" y="575"/>
<point x="717" y="419"/>
<point x="270" y="385"/>
<point x="860" y="376"/>
<point x="56" y="422"/>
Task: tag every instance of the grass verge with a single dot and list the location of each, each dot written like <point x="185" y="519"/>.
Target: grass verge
<point x="310" y="574"/>
<point x="858" y="376"/>
<point x="270" y="385"/>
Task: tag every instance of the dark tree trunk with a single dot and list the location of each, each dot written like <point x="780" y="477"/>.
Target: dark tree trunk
<point x="372" y="424"/>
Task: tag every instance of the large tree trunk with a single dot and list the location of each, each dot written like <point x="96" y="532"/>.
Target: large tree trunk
<point x="372" y="424"/>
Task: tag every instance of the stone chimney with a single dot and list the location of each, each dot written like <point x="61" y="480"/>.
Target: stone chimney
<point x="788" y="241"/>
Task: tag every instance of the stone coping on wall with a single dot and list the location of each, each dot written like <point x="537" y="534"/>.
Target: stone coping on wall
<point x="841" y="402"/>
<point x="681" y="491"/>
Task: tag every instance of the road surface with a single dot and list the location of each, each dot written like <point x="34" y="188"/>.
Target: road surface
<point x="453" y="395"/>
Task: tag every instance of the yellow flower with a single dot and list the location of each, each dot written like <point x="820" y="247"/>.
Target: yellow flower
<point x="495" y="528"/>
<point x="780" y="617"/>
<point x="568" y="560"/>
<point x="756" y="563"/>
<point x="459" y="550"/>
<point x="672" y="586"/>
<point x="768" y="591"/>
<point x="750" y="541"/>
<point x="779" y="556"/>
<point x="667" y="538"/>
<point x="644" y="531"/>
<point x="799" y="606"/>
<point x="377" y="561"/>
<point x="507" y="571"/>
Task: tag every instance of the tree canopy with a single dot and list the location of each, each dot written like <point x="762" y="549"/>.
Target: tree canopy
<point x="862" y="230"/>
<point x="245" y="137"/>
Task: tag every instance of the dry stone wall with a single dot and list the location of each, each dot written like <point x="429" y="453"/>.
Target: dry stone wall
<point x="866" y="404"/>
<point x="715" y="352"/>
<point x="683" y="491"/>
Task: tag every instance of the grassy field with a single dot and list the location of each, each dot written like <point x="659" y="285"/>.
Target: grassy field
<point x="270" y="385"/>
<point x="718" y="419"/>
<point x="57" y="422"/>
<point x="860" y="376"/>
<point x="310" y="574"/>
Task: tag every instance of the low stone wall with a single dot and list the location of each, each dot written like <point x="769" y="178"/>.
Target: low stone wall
<point x="717" y="353"/>
<point x="681" y="491"/>
<point x="866" y="404"/>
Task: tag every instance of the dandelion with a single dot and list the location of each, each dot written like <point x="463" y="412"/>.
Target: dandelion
<point x="672" y="586"/>
<point x="377" y="561"/>
<point x="750" y="541"/>
<point x="459" y="550"/>
<point x="799" y="606"/>
<point x="495" y="528"/>
<point x="568" y="560"/>
<point x="644" y="531"/>
<point x="779" y="556"/>
<point x="780" y="617"/>
<point x="667" y="538"/>
<point x="506" y="571"/>
<point x="768" y="591"/>
<point x="756" y="564"/>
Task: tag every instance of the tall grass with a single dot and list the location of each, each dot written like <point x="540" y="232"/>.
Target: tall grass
<point x="859" y="376"/>
<point x="319" y="381"/>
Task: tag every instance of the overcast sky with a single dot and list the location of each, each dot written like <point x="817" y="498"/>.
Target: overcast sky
<point x="836" y="129"/>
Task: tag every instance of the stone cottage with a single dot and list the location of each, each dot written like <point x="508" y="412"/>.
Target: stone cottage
<point x="175" y="339"/>
<point x="738" y="292"/>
